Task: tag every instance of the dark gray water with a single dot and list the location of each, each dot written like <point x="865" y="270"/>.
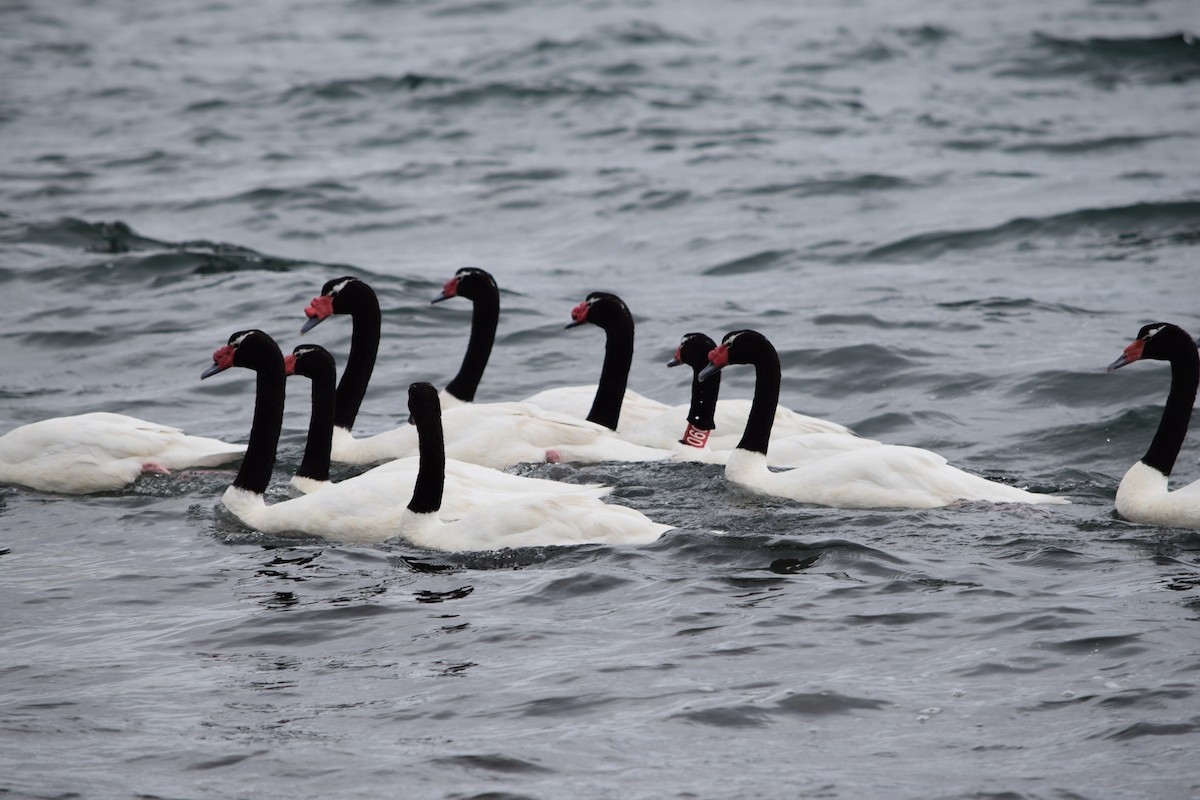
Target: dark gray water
<point x="948" y="217"/>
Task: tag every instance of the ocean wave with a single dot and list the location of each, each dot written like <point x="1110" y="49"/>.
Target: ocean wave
<point x="1105" y="446"/>
<point x="471" y="94"/>
<point x="1171" y="58"/>
<point x="871" y="321"/>
<point x="138" y="255"/>
<point x="806" y="704"/>
<point x="755" y="262"/>
<point x="547" y="51"/>
<point x="1081" y="389"/>
<point x="359" y="88"/>
<point x="77" y="234"/>
<point x="1008" y="306"/>
<point x="327" y="195"/>
<point x="876" y="360"/>
<point x="1140" y="223"/>
<point x="1086" y="146"/>
<point x="656" y="200"/>
<point x="469" y="8"/>
<point x="850" y="184"/>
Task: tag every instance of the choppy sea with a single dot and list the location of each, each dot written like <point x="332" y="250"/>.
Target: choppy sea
<point x="948" y="216"/>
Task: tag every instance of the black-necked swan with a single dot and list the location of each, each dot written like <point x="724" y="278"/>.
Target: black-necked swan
<point x="609" y="402"/>
<point x="315" y="363"/>
<point x="102" y="452"/>
<point x="478" y="286"/>
<point x="524" y="522"/>
<point x="642" y="420"/>
<point x="708" y="428"/>
<point x="496" y="435"/>
<point x="367" y="508"/>
<point x="1143" y="495"/>
<point x="887" y="476"/>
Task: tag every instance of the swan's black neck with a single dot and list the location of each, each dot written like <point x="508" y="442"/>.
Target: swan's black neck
<point x="1172" y="428"/>
<point x="315" y="464"/>
<point x="767" y="379"/>
<point x="360" y="363"/>
<point x="426" y="412"/>
<point x="255" y="473"/>
<point x="484" y="319"/>
<point x="614" y="375"/>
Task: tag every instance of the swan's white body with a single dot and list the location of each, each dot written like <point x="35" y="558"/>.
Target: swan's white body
<point x="792" y="451"/>
<point x="883" y="476"/>
<point x="1143" y="497"/>
<point x="541" y="522"/>
<point x="576" y="401"/>
<point x="665" y="429"/>
<point x="650" y="423"/>
<point x="862" y="475"/>
<point x="101" y="452"/>
<point x="461" y="478"/>
<point x="499" y="435"/>
<point x="371" y="507"/>
<point x="449" y="401"/>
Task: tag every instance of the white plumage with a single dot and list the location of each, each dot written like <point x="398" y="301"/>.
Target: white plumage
<point x="371" y="507"/>
<point x="525" y="522"/>
<point x="101" y="452"/>
<point x="868" y="476"/>
<point x="1144" y="496"/>
<point x="499" y="435"/>
<point x="576" y="401"/>
<point x="886" y="476"/>
<point x="366" y="508"/>
<point x="543" y="522"/>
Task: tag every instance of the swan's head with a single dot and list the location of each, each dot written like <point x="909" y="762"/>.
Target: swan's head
<point x="312" y="361"/>
<point x="338" y="296"/>
<point x="737" y="347"/>
<point x="602" y="309"/>
<point x="469" y="282"/>
<point x="423" y="402"/>
<point x="1158" y="341"/>
<point x="693" y="350"/>
<point x="252" y="349"/>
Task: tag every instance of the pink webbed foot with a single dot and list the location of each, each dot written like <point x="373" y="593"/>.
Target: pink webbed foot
<point x="155" y="468"/>
<point x="553" y="456"/>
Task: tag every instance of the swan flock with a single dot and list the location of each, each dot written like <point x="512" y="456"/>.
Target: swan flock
<point x="437" y="479"/>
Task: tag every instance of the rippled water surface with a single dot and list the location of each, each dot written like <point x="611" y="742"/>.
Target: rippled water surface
<point x="948" y="217"/>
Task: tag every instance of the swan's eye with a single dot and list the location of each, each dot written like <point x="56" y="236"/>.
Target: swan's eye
<point x="1152" y="332"/>
<point x="337" y="287"/>
<point x="236" y="340"/>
